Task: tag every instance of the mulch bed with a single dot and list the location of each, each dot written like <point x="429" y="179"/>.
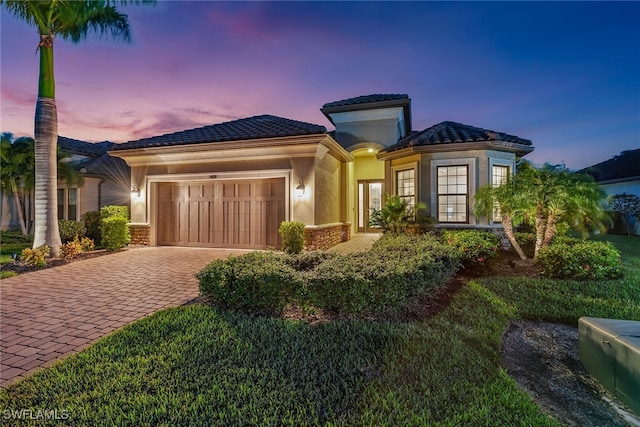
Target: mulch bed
<point x="20" y="267"/>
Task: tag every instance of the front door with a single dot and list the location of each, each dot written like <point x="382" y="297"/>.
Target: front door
<point x="369" y="199"/>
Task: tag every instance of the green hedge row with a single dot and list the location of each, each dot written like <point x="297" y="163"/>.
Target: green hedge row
<point x="475" y="247"/>
<point x="382" y="280"/>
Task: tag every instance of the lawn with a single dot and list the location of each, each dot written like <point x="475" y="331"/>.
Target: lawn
<point x="200" y="365"/>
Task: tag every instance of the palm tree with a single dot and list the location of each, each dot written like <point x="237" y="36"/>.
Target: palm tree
<point x="546" y="197"/>
<point x="71" y="20"/>
<point x="17" y="172"/>
<point x="560" y="195"/>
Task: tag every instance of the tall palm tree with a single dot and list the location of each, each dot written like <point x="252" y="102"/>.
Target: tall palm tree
<point x="74" y="21"/>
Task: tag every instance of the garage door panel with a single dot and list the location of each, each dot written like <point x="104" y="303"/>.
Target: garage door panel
<point x="241" y="213"/>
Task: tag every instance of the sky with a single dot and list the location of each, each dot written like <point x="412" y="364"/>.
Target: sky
<point x="565" y="75"/>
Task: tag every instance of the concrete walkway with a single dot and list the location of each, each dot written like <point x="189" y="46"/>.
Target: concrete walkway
<point x="48" y="314"/>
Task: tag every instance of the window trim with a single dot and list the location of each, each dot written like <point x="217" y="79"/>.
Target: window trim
<point x="416" y="179"/>
<point x="65" y="202"/>
<point x="511" y="164"/>
<point x="465" y="195"/>
<point x="472" y="182"/>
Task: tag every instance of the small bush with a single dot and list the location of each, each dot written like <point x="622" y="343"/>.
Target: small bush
<point x="292" y="233"/>
<point x="257" y="281"/>
<point x="36" y="256"/>
<point x="114" y="227"/>
<point x="115" y="233"/>
<point x="580" y="260"/>
<point x="70" y="249"/>
<point x="87" y="244"/>
<point x="476" y="248"/>
<point x="91" y="222"/>
<point x="70" y="230"/>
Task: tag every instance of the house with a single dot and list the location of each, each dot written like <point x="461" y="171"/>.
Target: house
<point x="618" y="175"/>
<point x="105" y="182"/>
<point x="231" y="184"/>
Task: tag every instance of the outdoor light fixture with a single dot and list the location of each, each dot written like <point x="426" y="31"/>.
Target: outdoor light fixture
<point x="135" y="191"/>
<point x="300" y="189"/>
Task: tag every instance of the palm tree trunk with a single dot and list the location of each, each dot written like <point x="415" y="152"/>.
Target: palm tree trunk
<point x="19" y="208"/>
<point x="541" y="226"/>
<point x="550" y="230"/>
<point x="507" y="226"/>
<point x="46" y="194"/>
<point x="46" y="143"/>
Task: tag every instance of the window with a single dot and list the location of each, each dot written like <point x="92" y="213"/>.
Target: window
<point x="68" y="203"/>
<point x="499" y="176"/>
<point x="453" y="193"/>
<point x="406" y="186"/>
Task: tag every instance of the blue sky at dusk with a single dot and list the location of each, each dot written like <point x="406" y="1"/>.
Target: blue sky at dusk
<point x="565" y="75"/>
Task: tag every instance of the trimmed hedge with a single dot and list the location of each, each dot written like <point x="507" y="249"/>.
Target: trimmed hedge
<point x="580" y="260"/>
<point x="257" y="281"/>
<point x="384" y="279"/>
<point x="114" y="227"/>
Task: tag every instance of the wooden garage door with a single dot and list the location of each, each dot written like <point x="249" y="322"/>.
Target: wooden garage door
<point x="237" y="214"/>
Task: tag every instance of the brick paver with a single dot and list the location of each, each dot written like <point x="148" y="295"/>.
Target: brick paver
<point x="48" y="314"/>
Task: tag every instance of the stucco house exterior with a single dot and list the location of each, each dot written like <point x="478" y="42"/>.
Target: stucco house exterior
<point x="619" y="174"/>
<point x="105" y="182"/>
<point x="231" y="184"/>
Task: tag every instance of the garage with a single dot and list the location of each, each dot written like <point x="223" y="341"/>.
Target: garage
<point x="226" y="213"/>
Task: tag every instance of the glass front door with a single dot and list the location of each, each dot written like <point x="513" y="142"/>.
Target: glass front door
<point x="369" y="199"/>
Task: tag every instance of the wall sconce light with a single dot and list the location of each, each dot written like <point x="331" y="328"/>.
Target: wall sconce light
<point x="300" y="189"/>
<point x="135" y="191"/>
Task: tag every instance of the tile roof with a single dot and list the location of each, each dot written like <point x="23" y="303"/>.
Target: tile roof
<point x="257" y="127"/>
<point x="366" y="99"/>
<point x="624" y="166"/>
<point x="454" y="133"/>
<point x="89" y="149"/>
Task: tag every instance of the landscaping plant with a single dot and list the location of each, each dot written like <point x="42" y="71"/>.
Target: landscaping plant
<point x="114" y="227"/>
<point x="71" y="230"/>
<point x="292" y="233"/>
<point x="476" y="248"/>
<point x="580" y="260"/>
<point x="36" y="256"/>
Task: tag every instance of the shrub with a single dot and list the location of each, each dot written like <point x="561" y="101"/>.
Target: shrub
<point x="397" y="269"/>
<point x="292" y="233"/>
<point x="115" y="233"/>
<point x="87" y="244"/>
<point x="91" y="221"/>
<point x="257" y="281"/>
<point x="36" y="256"/>
<point x="114" y="227"/>
<point x="475" y="247"/>
<point x="70" y="249"/>
<point x="580" y="260"/>
<point x="70" y="230"/>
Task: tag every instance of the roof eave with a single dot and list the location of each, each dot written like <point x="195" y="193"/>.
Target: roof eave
<point x="518" y="149"/>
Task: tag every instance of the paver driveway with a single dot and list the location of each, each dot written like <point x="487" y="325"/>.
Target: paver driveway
<point x="48" y="314"/>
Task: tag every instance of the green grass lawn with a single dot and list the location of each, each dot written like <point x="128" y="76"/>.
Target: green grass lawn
<point x="199" y="365"/>
<point x="12" y="242"/>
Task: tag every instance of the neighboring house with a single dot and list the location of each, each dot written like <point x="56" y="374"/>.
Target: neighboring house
<point x="231" y="184"/>
<point x="105" y="182"/>
<point x="618" y="175"/>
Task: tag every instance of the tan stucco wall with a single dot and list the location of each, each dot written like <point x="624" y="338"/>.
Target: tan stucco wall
<point x="328" y="194"/>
